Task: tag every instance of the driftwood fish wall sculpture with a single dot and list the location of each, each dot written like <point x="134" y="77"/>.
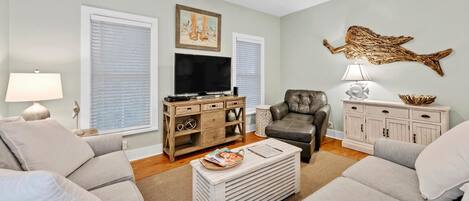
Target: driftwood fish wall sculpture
<point x="362" y="42"/>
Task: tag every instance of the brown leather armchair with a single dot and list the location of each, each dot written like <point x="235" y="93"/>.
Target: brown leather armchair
<point x="301" y="120"/>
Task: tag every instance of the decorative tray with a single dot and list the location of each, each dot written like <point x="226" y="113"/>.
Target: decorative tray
<point x="230" y="159"/>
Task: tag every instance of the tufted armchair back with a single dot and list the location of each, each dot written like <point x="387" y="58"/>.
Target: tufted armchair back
<point x="305" y="101"/>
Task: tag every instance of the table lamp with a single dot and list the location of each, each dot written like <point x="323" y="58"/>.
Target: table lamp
<point x="34" y="87"/>
<point x="358" y="90"/>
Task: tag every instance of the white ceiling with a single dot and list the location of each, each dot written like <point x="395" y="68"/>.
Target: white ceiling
<point x="277" y="7"/>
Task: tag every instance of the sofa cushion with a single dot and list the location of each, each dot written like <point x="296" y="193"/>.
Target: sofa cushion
<point x="387" y="177"/>
<point x="305" y="101"/>
<point x="123" y="191"/>
<point x="465" y="189"/>
<point x="443" y="166"/>
<point x="7" y="159"/>
<point x="45" y="145"/>
<point x="103" y="170"/>
<point x="342" y="189"/>
<point x="40" y="186"/>
<point x="296" y="127"/>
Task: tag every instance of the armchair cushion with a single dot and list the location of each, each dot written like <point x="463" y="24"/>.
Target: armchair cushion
<point x="402" y="153"/>
<point x="443" y="166"/>
<point x="45" y="145"/>
<point x="104" y="144"/>
<point x="103" y="170"/>
<point x="305" y="101"/>
<point x="40" y="186"/>
<point x="296" y="127"/>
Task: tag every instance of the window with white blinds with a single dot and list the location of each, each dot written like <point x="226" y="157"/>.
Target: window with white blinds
<point x="248" y="62"/>
<point x="119" y="92"/>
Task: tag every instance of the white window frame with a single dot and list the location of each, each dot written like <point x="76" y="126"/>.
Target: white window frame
<point x="252" y="39"/>
<point x="122" y="18"/>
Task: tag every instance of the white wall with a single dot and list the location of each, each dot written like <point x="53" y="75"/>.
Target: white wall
<point x="435" y="25"/>
<point x="46" y="34"/>
<point x="4" y="29"/>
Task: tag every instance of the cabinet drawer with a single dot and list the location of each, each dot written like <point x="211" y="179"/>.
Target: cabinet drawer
<point x="187" y="109"/>
<point x="213" y="136"/>
<point x="213" y="120"/>
<point x="350" y="107"/>
<point x="388" y="111"/>
<point x="212" y="106"/>
<point x="234" y="104"/>
<point x="422" y="115"/>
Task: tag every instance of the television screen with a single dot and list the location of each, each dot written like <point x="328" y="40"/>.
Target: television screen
<point x="201" y="74"/>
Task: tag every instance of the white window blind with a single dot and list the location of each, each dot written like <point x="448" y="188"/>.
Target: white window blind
<point x="249" y="59"/>
<point x="121" y="93"/>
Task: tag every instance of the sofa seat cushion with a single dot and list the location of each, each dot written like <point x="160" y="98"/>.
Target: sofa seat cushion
<point x="341" y="189"/>
<point x="294" y="126"/>
<point x="387" y="177"/>
<point x="103" y="170"/>
<point x="122" y="191"/>
<point x="45" y="145"/>
<point x="40" y="186"/>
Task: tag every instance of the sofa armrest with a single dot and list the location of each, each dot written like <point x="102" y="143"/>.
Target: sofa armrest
<point x="402" y="153"/>
<point x="321" y="122"/>
<point x="104" y="144"/>
<point x="279" y="111"/>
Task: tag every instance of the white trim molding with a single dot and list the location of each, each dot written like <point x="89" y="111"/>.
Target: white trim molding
<point x="252" y="39"/>
<point x="144" y="152"/>
<point x="89" y="13"/>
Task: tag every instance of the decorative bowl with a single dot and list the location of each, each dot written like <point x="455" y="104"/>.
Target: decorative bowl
<point x="417" y="99"/>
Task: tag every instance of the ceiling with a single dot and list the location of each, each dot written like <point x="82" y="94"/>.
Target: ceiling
<point x="277" y="7"/>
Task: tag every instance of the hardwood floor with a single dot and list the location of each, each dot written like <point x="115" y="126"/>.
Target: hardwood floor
<point x="160" y="163"/>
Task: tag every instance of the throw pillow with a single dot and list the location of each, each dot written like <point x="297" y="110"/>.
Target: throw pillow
<point x="7" y="160"/>
<point x="443" y="166"/>
<point x="45" y="145"/>
<point x="40" y="186"/>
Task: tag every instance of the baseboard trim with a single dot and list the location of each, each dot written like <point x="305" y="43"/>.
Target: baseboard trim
<point x="335" y="134"/>
<point x="144" y="152"/>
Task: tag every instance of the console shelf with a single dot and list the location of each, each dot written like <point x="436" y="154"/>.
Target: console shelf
<point x="212" y="127"/>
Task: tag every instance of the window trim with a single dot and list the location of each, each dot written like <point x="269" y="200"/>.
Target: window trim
<point x="252" y="39"/>
<point x="85" y="91"/>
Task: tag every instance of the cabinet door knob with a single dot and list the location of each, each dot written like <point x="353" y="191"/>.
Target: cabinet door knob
<point x="385" y="112"/>
<point x="361" y="128"/>
<point x="354" y="108"/>
<point x="384" y="132"/>
<point x="414" y="138"/>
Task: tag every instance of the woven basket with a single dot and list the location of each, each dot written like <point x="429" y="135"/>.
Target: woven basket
<point x="417" y="99"/>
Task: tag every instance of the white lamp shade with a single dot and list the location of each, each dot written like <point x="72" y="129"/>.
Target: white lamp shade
<point x="356" y="72"/>
<point x="24" y="87"/>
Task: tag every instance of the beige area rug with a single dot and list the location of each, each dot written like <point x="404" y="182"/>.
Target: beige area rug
<point x="176" y="185"/>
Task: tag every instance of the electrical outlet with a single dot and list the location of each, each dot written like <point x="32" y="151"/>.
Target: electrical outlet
<point x="330" y="125"/>
<point x="124" y="144"/>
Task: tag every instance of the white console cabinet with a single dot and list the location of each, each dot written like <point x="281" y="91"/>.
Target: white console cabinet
<point x="366" y="121"/>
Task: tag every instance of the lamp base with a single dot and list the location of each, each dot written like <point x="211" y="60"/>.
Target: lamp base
<point x="35" y="112"/>
<point x="358" y="91"/>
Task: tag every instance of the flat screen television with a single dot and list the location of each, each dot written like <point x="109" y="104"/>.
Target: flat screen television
<point x="197" y="74"/>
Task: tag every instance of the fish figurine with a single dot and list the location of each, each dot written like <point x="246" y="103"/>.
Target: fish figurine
<point x="361" y="42"/>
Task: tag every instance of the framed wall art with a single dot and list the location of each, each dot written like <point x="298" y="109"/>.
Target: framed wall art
<point x="197" y="29"/>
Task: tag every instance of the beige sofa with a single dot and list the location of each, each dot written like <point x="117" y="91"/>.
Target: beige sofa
<point x="406" y="172"/>
<point x="108" y="174"/>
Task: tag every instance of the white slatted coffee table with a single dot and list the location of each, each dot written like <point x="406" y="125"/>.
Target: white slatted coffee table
<point x="257" y="178"/>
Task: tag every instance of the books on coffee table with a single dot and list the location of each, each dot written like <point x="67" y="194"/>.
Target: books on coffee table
<point x="265" y="150"/>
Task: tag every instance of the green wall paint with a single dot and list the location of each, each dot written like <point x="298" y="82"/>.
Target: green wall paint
<point x="46" y="34"/>
<point x="436" y="25"/>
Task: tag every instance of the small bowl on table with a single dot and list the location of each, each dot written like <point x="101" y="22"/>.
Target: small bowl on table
<point x="417" y="99"/>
